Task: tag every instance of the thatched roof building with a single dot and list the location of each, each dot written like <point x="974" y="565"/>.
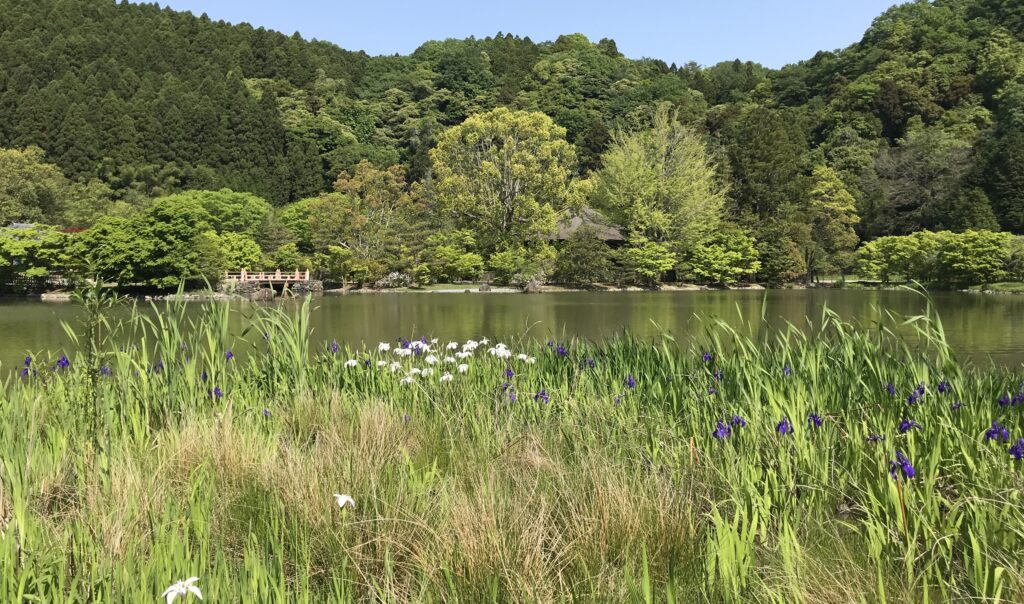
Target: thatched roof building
<point x="590" y="219"/>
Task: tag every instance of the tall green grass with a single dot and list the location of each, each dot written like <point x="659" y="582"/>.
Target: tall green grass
<point x="125" y="472"/>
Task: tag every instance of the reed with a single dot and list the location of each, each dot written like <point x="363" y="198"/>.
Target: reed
<point x="736" y="469"/>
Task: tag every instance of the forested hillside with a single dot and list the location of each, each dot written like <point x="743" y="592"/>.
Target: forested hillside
<point x="724" y="172"/>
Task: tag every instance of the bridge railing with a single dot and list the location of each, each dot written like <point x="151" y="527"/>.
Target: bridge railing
<point x="277" y="276"/>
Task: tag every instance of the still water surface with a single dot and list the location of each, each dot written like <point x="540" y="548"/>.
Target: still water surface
<point x="981" y="327"/>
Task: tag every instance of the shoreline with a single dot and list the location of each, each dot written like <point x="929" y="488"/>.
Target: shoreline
<point x="200" y="296"/>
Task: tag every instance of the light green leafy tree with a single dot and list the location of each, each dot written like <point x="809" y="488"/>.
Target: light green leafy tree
<point x="227" y="210"/>
<point x="28" y="252"/>
<point x="113" y="249"/>
<point x="240" y="251"/>
<point x="662" y="183"/>
<point x="505" y="175"/>
<point x="974" y="257"/>
<point x="450" y="257"/>
<point x="520" y="265"/>
<point x="1015" y="258"/>
<point x="33" y="190"/>
<point x="832" y="214"/>
<point x="724" y="257"/>
<point x="645" y="261"/>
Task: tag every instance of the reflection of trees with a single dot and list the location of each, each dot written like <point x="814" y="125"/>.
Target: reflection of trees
<point x="976" y="325"/>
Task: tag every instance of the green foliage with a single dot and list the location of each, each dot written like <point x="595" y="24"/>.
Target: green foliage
<point x="661" y="182"/>
<point x="505" y="175"/>
<point x="288" y="257"/>
<point x="968" y="258"/>
<point x="779" y="252"/>
<point x="28" y="251"/>
<point x="922" y="122"/>
<point x="1015" y="258"/>
<point x="335" y="264"/>
<point x="172" y="226"/>
<point x="33" y="190"/>
<point x="211" y="259"/>
<point x="450" y="257"/>
<point x="583" y="259"/>
<point x="832" y="214"/>
<point x="240" y="251"/>
<point x="723" y="258"/>
<point x="521" y="265"/>
<point x="974" y="257"/>
<point x="113" y="249"/>
<point x="645" y="261"/>
<point x="226" y="210"/>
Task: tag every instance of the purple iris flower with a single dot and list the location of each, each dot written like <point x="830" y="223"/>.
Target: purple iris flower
<point x="618" y="400"/>
<point x="944" y="387"/>
<point x="814" y="420"/>
<point x="551" y="343"/>
<point x="105" y="371"/>
<point x="722" y="430"/>
<point x="955" y="406"/>
<point x="890" y="389"/>
<point x="630" y="382"/>
<point x="63" y="362"/>
<point x="920" y="389"/>
<point x="541" y="396"/>
<point x="786" y="371"/>
<point x="159" y="367"/>
<point x="712" y="390"/>
<point x="203" y="376"/>
<point x="405" y="418"/>
<point x="908" y="424"/>
<point x="1017" y="450"/>
<point x="902" y="463"/>
<point x="914" y="398"/>
<point x="707" y="357"/>
<point x="266" y="413"/>
<point x="24" y="372"/>
<point x="997" y="432"/>
<point x="738" y="421"/>
<point x="215" y="393"/>
<point x="1004" y="400"/>
<point x="561" y="351"/>
<point x="784" y="427"/>
<point x="512" y="395"/>
<point x="876" y="438"/>
<point x="229" y="355"/>
<point x="591" y="363"/>
<point x="334" y="347"/>
<point x="509" y="373"/>
<point x="28" y="361"/>
<point x="718" y="375"/>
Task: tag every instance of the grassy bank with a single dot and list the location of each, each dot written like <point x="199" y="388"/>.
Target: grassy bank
<point x="736" y="470"/>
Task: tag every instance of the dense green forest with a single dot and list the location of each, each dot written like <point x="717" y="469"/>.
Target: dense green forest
<point x="146" y="145"/>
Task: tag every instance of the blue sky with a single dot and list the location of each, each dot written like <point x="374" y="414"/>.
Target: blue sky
<point x="772" y="32"/>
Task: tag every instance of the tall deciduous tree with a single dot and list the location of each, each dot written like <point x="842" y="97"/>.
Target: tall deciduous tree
<point x="833" y="214"/>
<point x="33" y="190"/>
<point x="662" y="183"/>
<point x="505" y="174"/>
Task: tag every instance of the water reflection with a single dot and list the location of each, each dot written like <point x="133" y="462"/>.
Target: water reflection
<point x="979" y="326"/>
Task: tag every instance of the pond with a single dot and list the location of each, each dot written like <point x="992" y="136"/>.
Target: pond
<point x="983" y="328"/>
